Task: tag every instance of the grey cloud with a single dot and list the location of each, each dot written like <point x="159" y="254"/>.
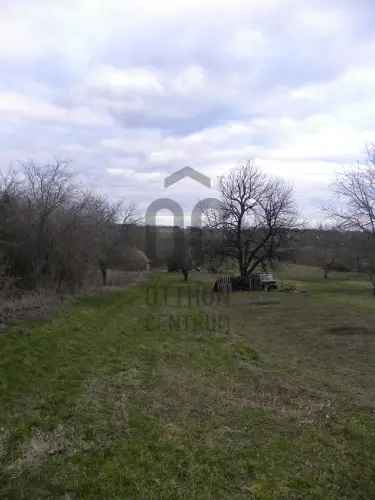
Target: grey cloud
<point x="258" y="78"/>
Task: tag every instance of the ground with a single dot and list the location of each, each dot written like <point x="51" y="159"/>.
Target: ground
<point x="159" y="391"/>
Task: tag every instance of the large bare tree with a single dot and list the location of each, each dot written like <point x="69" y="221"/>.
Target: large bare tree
<point x="355" y="206"/>
<point x="257" y="213"/>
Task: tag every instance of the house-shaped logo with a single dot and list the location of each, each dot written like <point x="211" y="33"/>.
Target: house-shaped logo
<point x="187" y="172"/>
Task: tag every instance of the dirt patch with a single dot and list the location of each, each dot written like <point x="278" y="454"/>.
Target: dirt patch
<point x="350" y="330"/>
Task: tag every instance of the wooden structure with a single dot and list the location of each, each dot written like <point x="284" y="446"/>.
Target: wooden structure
<point x="256" y="281"/>
<point x="224" y="284"/>
<point x="267" y="281"/>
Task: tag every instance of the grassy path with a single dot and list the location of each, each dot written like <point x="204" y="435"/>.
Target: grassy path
<point x="123" y="397"/>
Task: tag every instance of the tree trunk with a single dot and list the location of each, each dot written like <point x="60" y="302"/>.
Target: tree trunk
<point x="243" y="272"/>
<point x="103" y="270"/>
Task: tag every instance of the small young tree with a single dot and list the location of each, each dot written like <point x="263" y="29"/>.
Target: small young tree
<point x="181" y="262"/>
<point x="330" y="250"/>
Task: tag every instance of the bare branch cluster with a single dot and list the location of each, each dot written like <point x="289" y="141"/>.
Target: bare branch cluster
<point x="257" y="214"/>
<point x="53" y="232"/>
<point x="355" y="190"/>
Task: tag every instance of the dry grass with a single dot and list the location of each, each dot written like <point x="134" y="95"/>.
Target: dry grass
<point x="279" y="406"/>
<point x="104" y="400"/>
<point x="41" y="304"/>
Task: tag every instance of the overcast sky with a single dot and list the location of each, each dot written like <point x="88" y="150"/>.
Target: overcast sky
<point x="131" y="91"/>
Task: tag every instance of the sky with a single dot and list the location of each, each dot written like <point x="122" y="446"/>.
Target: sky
<point x="132" y="91"/>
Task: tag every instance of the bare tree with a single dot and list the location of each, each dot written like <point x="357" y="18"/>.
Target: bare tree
<point x="329" y="249"/>
<point x="9" y="198"/>
<point x="47" y="188"/>
<point x="110" y="222"/>
<point x="73" y="250"/>
<point x="355" y="190"/>
<point x="257" y="214"/>
<point x="10" y="224"/>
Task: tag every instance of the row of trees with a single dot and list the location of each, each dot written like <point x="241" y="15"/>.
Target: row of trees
<point x="52" y="232"/>
<point x="258" y="221"/>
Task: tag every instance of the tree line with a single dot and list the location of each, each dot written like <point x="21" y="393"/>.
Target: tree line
<point x="54" y="233"/>
<point x="257" y="224"/>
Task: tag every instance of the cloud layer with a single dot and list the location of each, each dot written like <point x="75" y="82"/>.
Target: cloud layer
<point x="131" y="91"/>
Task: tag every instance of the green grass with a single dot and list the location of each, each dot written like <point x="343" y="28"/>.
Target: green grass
<point x="270" y="396"/>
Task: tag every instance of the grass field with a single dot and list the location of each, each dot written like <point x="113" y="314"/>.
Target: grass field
<point x="134" y="395"/>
